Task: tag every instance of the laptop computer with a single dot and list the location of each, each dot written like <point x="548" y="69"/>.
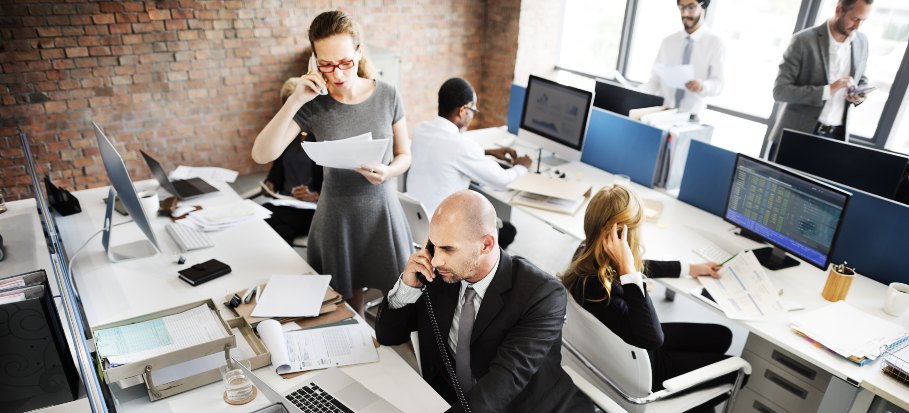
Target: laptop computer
<point x="181" y="188"/>
<point x="329" y="391"/>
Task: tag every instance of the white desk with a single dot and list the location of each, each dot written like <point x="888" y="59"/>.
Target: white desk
<point x="681" y="228"/>
<point x="112" y="292"/>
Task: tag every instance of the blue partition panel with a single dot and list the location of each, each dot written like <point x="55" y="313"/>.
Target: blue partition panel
<point x="515" y="107"/>
<point x="874" y="238"/>
<point x="708" y="172"/>
<point x="619" y="145"/>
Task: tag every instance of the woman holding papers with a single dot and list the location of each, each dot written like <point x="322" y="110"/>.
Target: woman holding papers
<point x="359" y="233"/>
<point x="606" y="278"/>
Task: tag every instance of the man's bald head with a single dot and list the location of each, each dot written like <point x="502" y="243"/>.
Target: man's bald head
<point x="470" y="211"/>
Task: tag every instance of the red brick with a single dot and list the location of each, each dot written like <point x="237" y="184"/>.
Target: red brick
<point x="49" y="31"/>
<point x="103" y="18"/>
<point x="120" y="28"/>
<point x="55" y="107"/>
<point x="143" y="27"/>
<point x="175" y="24"/>
<point x="111" y="7"/>
<point x="159" y="14"/>
<point x="76" y="52"/>
<point x="181" y="13"/>
<point x="52" y="54"/>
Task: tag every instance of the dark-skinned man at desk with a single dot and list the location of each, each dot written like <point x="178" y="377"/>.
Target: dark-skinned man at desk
<point x="500" y="316"/>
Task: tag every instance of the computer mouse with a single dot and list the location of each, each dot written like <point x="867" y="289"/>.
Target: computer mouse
<point x="181" y="211"/>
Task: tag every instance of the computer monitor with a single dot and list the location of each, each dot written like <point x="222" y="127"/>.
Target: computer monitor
<point x="122" y="187"/>
<point x="871" y="170"/>
<point x="791" y="211"/>
<point x="619" y="99"/>
<point x="555" y="117"/>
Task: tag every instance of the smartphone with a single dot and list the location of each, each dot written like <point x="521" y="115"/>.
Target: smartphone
<point x="861" y="90"/>
<point x="431" y="249"/>
<point x="313" y="68"/>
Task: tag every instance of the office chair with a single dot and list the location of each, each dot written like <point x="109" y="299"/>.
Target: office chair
<point x="622" y="372"/>
<point x="417" y="218"/>
<point x="600" y="400"/>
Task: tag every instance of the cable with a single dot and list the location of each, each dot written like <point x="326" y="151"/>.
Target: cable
<point x="69" y="265"/>
<point x="443" y="352"/>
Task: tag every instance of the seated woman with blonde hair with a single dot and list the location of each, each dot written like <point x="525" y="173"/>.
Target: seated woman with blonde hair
<point x="606" y="278"/>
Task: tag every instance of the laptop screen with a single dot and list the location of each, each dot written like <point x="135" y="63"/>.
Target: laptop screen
<point x="159" y="174"/>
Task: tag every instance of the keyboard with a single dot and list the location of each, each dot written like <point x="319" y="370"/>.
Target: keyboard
<point x="311" y="398"/>
<point x="188" y="239"/>
<point x="713" y="253"/>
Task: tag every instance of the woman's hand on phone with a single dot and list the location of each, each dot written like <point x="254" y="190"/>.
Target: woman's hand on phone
<point x="375" y="174"/>
<point x="419" y="262"/>
<point x="617" y="248"/>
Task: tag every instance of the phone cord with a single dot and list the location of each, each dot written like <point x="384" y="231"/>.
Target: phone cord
<point x="444" y="352"/>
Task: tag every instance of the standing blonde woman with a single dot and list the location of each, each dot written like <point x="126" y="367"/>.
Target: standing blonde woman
<point x="606" y="278"/>
<point x="359" y="233"/>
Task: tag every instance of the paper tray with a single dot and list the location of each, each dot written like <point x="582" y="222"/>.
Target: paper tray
<point x="142" y="369"/>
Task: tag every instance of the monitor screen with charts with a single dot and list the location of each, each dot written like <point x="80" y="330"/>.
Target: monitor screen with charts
<point x="871" y="170"/>
<point x="555" y="117"/>
<point x="619" y="99"/>
<point x="795" y="213"/>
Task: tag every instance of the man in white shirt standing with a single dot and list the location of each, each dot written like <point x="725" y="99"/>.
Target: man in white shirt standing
<point x="698" y="46"/>
<point x="444" y="161"/>
<point x="818" y="73"/>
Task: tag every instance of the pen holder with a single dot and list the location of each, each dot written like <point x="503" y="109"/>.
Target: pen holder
<point x="838" y="284"/>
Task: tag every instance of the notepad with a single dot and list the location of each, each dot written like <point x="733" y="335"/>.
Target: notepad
<point x="292" y="296"/>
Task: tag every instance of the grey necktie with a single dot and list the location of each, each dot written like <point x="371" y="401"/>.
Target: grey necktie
<point x="686" y="59"/>
<point x="465" y="327"/>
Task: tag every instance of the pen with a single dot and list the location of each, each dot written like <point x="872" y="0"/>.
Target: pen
<point x="729" y="259"/>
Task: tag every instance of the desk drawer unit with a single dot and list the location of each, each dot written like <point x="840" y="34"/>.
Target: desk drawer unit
<point x="749" y="402"/>
<point x="792" y="384"/>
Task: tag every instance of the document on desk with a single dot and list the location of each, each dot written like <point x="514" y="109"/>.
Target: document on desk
<point x="139" y="341"/>
<point x="675" y="76"/>
<point x="292" y="296"/>
<point x="178" y="371"/>
<point x="347" y="153"/>
<point x="850" y="332"/>
<point x="207" y="173"/>
<point x="316" y="348"/>
<point x="744" y="292"/>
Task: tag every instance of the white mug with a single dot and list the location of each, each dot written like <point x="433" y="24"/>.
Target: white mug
<point x="897" y="299"/>
<point x="149" y="201"/>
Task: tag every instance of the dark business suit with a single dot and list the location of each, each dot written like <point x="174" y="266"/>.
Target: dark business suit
<point x="803" y="74"/>
<point x="515" y="344"/>
<point x="674" y="348"/>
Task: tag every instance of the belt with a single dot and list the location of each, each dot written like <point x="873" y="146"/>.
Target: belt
<point x="825" y="129"/>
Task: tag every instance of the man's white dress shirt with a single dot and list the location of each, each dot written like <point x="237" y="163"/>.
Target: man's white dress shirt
<point x="444" y="161"/>
<point x="707" y="56"/>
<point x="838" y="67"/>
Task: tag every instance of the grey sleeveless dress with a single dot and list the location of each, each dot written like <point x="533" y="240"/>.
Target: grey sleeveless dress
<point x="359" y="234"/>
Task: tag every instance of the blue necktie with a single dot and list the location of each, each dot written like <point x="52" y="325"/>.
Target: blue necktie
<point x="686" y="59"/>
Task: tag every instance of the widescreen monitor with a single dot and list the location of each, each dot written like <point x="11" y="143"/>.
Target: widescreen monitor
<point x="871" y="170"/>
<point x="122" y="187"/>
<point x="555" y="118"/>
<point x="795" y="213"/>
<point x="619" y="99"/>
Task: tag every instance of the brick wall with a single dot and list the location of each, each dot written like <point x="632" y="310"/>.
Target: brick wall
<point x="194" y="82"/>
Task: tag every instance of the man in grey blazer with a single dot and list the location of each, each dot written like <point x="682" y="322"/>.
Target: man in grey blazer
<point x="817" y="78"/>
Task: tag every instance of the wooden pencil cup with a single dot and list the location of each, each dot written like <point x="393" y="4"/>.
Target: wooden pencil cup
<point x="838" y="283"/>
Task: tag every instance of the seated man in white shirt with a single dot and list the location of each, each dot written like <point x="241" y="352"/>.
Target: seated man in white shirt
<point x="445" y="162"/>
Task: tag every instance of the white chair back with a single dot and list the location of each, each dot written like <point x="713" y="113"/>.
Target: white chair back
<point x="417" y="217"/>
<point x="627" y="366"/>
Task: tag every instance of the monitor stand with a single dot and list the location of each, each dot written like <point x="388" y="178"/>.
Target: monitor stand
<point x="774" y="258"/>
<point x="552" y="160"/>
<point x="125" y="252"/>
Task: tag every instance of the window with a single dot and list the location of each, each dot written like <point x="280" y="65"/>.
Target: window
<point x="653" y="21"/>
<point x="756" y="34"/>
<point x="592" y="35"/>
<point x="887" y="29"/>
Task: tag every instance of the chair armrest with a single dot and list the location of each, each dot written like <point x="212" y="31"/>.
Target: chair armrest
<point x="695" y="377"/>
<point x="600" y="399"/>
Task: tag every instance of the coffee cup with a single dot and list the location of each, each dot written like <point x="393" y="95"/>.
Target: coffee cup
<point x="897" y="300"/>
<point x="149" y="202"/>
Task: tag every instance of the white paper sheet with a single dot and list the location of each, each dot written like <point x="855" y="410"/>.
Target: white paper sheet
<point x="210" y="362"/>
<point x="208" y="173"/>
<point x="849" y="331"/>
<point x="271" y="334"/>
<point x="744" y="292"/>
<point x="674" y="75"/>
<point x="293" y="203"/>
<point x="347" y="153"/>
<point x="292" y="296"/>
<point x="317" y="348"/>
<point x="218" y="217"/>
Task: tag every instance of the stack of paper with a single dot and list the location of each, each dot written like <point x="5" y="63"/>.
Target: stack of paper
<point x="218" y="217"/>
<point x="553" y="194"/>
<point x="349" y="153"/>
<point x="332" y="310"/>
<point x="303" y="350"/>
<point x="292" y="296"/>
<point x="207" y="173"/>
<point x="139" y="341"/>
<point x="744" y="291"/>
<point x="849" y="332"/>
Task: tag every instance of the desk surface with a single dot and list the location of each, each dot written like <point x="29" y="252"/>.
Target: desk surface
<point x="681" y="228"/>
<point x="112" y="292"/>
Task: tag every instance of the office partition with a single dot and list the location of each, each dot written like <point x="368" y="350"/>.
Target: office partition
<point x="620" y="145"/>
<point x="515" y="106"/>
<point x="705" y="182"/>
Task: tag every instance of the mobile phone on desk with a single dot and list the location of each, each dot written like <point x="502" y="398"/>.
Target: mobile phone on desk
<point x="204" y="272"/>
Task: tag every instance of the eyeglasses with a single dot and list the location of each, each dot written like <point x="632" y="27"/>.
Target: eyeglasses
<point x="472" y="109"/>
<point x="690" y="7"/>
<point x="342" y="65"/>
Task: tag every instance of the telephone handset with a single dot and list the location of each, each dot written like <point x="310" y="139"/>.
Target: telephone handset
<point x="443" y="349"/>
<point x="313" y="68"/>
